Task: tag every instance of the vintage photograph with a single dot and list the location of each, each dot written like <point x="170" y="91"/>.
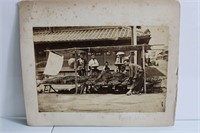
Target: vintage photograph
<point x="101" y="68"/>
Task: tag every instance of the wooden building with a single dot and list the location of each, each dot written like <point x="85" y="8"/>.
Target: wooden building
<point x="98" y="40"/>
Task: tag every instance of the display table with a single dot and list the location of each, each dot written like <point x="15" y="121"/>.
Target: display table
<point x="18" y="125"/>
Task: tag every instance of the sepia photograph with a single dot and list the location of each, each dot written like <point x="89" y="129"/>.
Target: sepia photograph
<point x="117" y="66"/>
<point x="101" y="68"/>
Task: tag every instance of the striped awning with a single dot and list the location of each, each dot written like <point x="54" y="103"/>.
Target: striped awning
<point x="83" y="35"/>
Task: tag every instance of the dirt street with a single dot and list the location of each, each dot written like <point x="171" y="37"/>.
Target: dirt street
<point x="52" y="102"/>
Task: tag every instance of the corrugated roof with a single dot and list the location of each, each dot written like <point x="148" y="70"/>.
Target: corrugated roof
<point x="83" y="35"/>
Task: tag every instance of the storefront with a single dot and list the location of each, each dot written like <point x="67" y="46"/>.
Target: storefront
<point x="101" y="41"/>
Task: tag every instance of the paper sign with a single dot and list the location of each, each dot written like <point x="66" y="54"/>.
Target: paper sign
<point x="54" y="64"/>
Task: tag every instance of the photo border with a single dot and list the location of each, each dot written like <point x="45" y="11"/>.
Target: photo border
<point x="90" y="13"/>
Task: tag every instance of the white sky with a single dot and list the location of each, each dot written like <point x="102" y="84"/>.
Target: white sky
<point x="159" y="35"/>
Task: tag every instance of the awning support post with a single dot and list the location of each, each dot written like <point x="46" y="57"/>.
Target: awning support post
<point x="144" y="68"/>
<point x="135" y="43"/>
<point x="75" y="67"/>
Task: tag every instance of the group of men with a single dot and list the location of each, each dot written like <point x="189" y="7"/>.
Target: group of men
<point x="134" y="71"/>
<point x="82" y="65"/>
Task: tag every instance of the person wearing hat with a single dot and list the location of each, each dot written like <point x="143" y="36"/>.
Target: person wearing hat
<point x="119" y="61"/>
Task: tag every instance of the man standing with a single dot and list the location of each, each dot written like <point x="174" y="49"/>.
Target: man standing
<point x="81" y="65"/>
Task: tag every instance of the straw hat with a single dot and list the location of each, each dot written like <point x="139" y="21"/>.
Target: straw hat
<point x="120" y="53"/>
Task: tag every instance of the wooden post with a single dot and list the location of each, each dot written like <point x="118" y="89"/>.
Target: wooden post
<point x="75" y="67"/>
<point x="144" y="69"/>
<point x="86" y="69"/>
<point x="132" y="35"/>
<point x="135" y="43"/>
<point x="132" y="43"/>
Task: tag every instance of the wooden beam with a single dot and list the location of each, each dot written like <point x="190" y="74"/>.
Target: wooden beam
<point x="105" y="48"/>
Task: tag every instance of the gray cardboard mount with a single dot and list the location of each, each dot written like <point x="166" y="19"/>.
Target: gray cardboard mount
<point x="91" y="13"/>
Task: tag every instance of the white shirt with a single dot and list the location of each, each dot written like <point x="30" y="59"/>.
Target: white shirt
<point x="93" y="62"/>
<point x="119" y="60"/>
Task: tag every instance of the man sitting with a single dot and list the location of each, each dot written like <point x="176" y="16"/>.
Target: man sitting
<point x="93" y="65"/>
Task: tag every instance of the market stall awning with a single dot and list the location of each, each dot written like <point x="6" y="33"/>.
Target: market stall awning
<point x="104" y="49"/>
<point x="83" y="35"/>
